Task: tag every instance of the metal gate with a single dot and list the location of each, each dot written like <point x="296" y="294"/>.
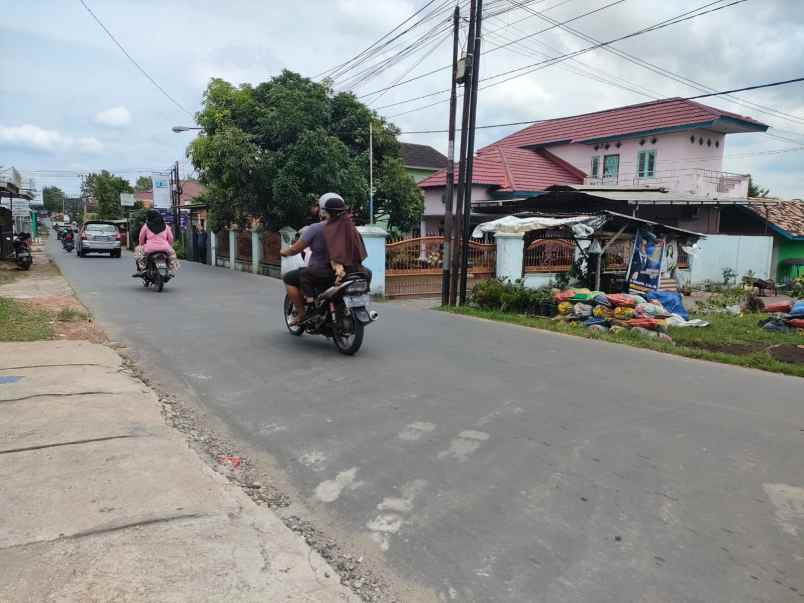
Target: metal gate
<point x="414" y="267"/>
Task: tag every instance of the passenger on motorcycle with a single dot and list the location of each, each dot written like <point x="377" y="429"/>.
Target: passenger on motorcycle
<point x="154" y="236"/>
<point x="336" y="249"/>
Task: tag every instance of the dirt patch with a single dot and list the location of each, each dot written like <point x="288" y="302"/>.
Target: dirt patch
<point x="738" y="349"/>
<point x="788" y="352"/>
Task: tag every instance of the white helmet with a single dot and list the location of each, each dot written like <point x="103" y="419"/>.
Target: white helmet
<point x="322" y="200"/>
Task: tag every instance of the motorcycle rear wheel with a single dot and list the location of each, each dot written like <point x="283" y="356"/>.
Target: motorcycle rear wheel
<point x="349" y="344"/>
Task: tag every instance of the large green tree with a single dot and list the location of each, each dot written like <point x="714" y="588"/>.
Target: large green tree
<point x="53" y="198"/>
<point x="143" y="184"/>
<point x="106" y="188"/>
<point x="268" y="151"/>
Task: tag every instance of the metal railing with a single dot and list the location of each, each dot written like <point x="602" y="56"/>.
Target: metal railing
<point x="550" y="255"/>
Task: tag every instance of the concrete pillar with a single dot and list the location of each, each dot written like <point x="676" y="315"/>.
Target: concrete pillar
<point x="213" y="247"/>
<point x="374" y="238"/>
<point x="510" y="254"/>
<point x="256" y="251"/>
<point x="232" y="250"/>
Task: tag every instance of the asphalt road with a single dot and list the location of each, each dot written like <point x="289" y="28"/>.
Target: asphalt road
<point x="492" y="462"/>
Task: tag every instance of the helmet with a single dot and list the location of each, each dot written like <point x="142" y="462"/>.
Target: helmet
<point x="322" y="200"/>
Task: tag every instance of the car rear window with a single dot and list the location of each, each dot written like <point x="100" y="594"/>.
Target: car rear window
<point x="104" y="228"/>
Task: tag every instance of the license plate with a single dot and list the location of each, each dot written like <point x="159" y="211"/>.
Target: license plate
<point x="356" y="301"/>
<point x="161" y="266"/>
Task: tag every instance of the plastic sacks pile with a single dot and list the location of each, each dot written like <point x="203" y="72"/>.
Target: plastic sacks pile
<point x="613" y="312"/>
<point x="785" y="316"/>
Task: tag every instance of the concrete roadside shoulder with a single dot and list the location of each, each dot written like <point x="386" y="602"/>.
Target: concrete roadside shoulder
<point x="101" y="500"/>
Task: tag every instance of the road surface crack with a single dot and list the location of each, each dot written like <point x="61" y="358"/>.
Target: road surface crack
<point x="70" y="443"/>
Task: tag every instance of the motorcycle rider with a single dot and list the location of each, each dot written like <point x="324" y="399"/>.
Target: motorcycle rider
<point x="154" y="237"/>
<point x="336" y="248"/>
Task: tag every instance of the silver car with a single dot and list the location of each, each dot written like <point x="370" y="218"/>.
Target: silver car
<point x="99" y="237"/>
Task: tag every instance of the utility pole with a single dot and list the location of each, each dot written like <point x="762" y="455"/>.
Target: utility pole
<point x="176" y="200"/>
<point x="449" y="233"/>
<point x="371" y="173"/>
<point x="458" y="249"/>
<point x="470" y="152"/>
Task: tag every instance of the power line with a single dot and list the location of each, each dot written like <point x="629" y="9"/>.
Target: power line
<point x="136" y="64"/>
<point x="534" y="121"/>
<point x="575" y="18"/>
<point x="533" y="67"/>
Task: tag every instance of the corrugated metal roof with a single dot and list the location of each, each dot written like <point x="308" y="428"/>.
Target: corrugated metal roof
<point x="658" y="196"/>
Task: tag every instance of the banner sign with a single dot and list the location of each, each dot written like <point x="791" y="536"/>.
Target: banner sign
<point x="167" y="216"/>
<point x="161" y="188"/>
<point x="127" y="199"/>
<point x="644" y="272"/>
<point x="184" y="219"/>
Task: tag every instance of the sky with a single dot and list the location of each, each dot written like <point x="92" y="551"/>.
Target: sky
<point x="72" y="102"/>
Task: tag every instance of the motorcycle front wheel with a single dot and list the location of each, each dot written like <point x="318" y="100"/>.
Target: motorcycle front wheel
<point x="349" y="341"/>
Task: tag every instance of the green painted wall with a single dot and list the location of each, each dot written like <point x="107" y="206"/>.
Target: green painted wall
<point x="788" y="249"/>
<point x="419" y="174"/>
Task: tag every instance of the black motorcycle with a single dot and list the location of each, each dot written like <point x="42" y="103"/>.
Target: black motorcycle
<point x="341" y="313"/>
<point x="22" y="251"/>
<point x="156" y="271"/>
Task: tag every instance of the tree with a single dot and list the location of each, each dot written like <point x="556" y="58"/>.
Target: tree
<point x="53" y="198"/>
<point x="269" y="151"/>
<point x="755" y="190"/>
<point x="143" y="184"/>
<point x="105" y="188"/>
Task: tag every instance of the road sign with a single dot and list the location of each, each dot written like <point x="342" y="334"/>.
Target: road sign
<point x="161" y="188"/>
<point x="127" y="199"/>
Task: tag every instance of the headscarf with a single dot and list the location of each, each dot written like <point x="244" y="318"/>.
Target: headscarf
<point x="344" y="243"/>
<point x="155" y="221"/>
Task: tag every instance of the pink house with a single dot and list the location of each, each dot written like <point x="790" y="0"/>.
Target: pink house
<point x="663" y="152"/>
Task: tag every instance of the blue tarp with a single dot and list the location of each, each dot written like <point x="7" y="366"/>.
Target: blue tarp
<point x="671" y="301"/>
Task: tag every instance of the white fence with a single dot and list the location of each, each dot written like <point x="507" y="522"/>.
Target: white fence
<point x="740" y="253"/>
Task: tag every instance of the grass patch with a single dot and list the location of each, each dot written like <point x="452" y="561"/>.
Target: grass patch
<point x="22" y="322"/>
<point x="71" y="315"/>
<point x="734" y="340"/>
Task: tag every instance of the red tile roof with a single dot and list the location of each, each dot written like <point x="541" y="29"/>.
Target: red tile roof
<point x="511" y="169"/>
<point x="624" y="121"/>
<point x="787" y="215"/>
<point x="521" y="161"/>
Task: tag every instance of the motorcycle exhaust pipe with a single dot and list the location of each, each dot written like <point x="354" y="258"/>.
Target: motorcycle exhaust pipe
<point x="374" y="315"/>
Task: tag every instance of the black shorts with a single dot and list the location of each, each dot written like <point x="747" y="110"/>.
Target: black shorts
<point x="310" y="280"/>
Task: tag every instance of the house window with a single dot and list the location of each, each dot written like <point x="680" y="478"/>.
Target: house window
<point x="611" y="166"/>
<point x="646" y="164"/>
<point x="596" y="167"/>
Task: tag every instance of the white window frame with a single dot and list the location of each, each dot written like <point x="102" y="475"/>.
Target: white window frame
<point x="647" y="153"/>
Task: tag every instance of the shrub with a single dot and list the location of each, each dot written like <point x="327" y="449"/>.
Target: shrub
<point x="512" y="297"/>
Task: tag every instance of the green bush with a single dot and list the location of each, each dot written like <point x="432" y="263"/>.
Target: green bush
<point x="178" y="247"/>
<point x="511" y="297"/>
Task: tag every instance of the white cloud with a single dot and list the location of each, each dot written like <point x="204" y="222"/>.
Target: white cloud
<point x="116" y="117"/>
<point x="28" y="136"/>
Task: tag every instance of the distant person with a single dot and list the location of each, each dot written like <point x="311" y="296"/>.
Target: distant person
<point x="155" y="236"/>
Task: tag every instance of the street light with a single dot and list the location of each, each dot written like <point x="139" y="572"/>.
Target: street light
<point x="178" y="129"/>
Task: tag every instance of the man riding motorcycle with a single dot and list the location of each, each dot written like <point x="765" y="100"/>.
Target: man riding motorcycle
<point x="336" y="249"/>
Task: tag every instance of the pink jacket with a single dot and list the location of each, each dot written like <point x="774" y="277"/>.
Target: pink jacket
<point x="151" y="242"/>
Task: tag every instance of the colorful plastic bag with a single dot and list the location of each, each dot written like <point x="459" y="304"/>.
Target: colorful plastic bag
<point x="563" y="296"/>
<point x="623" y="312"/>
<point x="621" y="299"/>
<point x="670" y="301"/>
<point x="602" y="312"/>
<point x="582" y="310"/>
<point x="565" y="308"/>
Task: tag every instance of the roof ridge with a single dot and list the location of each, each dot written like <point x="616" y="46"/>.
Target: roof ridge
<point x="508" y="175"/>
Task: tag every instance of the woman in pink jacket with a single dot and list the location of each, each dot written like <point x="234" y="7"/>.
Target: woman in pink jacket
<point x="155" y="236"/>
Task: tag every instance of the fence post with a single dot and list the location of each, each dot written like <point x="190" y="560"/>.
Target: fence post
<point x="232" y="249"/>
<point x="510" y="255"/>
<point x="213" y="247"/>
<point x="256" y="251"/>
<point x="374" y="238"/>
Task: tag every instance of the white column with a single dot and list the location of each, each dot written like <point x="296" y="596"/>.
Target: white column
<point x="510" y="253"/>
<point x="213" y="247"/>
<point x="374" y="239"/>
<point x="232" y="250"/>
<point x="256" y="252"/>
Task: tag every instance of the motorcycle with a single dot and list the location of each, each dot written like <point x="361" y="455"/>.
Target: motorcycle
<point x="156" y="271"/>
<point x="68" y="242"/>
<point x="22" y="251"/>
<point x="340" y="313"/>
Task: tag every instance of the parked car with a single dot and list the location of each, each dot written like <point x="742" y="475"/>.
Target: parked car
<point x="98" y="237"/>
